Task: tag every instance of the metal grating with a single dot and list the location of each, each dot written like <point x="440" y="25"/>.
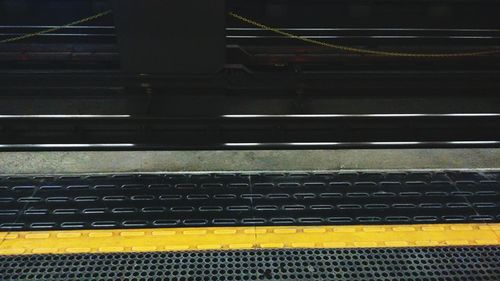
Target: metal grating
<point x="474" y="263"/>
<point x="178" y="200"/>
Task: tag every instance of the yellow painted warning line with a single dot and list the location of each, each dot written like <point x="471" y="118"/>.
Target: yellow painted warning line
<point x="239" y="238"/>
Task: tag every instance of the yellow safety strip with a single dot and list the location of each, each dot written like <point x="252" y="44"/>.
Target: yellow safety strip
<point x="240" y="238"/>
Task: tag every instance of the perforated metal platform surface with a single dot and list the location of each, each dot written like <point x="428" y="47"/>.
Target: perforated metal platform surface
<point x="176" y="200"/>
<point x="475" y="263"/>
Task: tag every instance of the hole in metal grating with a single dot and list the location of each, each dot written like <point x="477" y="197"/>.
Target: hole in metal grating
<point x="481" y="218"/>
<point x="454" y="218"/>
<point x="486" y="193"/>
<point x="212" y="185"/>
<point x="182" y="209"/>
<point x="384" y="194"/>
<point x="51" y="187"/>
<point x="340" y="184"/>
<point x="330" y="195"/>
<point x="166" y="222"/>
<point x="77" y="187"/>
<point x="153" y="209"/>
<point x="282" y="220"/>
<point x="410" y="194"/>
<point x="288" y="185"/>
<point x="185" y="186"/>
<point x="197" y="197"/>
<point x="11" y="225"/>
<point x="376" y="206"/>
<point x="252" y="196"/>
<point x="211" y="209"/>
<point x="484" y="205"/>
<point x="142" y="198"/>
<point x="302" y="196"/>
<point x="253" y="221"/>
<point x="105" y="224"/>
<point x="263" y="184"/>
<point x="72" y="224"/>
<point x="238" y="208"/>
<point x="321" y="207"/>
<point x="349" y="206"/>
<point x="278" y="196"/>
<point x="293" y="207"/>
<point x="159" y="186"/>
<point x="87" y="198"/>
<point x="310" y="220"/>
<point x="238" y="185"/>
<point x="65" y="211"/>
<point x="57" y="199"/>
<point x="170" y="197"/>
<point x="398" y="219"/>
<point x="368" y="219"/>
<point x="390" y="184"/>
<point x="134" y="223"/>
<point x="18" y="178"/>
<point x="314" y="184"/>
<point x="224" y="196"/>
<point x="266" y="208"/>
<point x="339" y="219"/>
<point x="195" y="222"/>
<point x="8" y="212"/>
<point x="105" y="187"/>
<point x="43" y="225"/>
<point x="425" y="218"/>
<point x="365" y="184"/>
<point x="114" y="198"/>
<point x="123" y="210"/>
<point x="94" y="211"/>
<point x="24" y="188"/>
<point x="436" y="193"/>
<point x="36" y="212"/>
<point x="225" y="221"/>
<point x="133" y="186"/>
<point x="458" y="205"/>
<point x="29" y="199"/>
<point x="357" y="194"/>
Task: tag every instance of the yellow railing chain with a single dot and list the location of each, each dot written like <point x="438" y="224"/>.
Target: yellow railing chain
<point x="30" y="35"/>
<point x="361" y="50"/>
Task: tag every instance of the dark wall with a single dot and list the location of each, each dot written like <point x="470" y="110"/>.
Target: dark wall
<point x="175" y="36"/>
<point x="373" y="13"/>
<point x="39" y="12"/>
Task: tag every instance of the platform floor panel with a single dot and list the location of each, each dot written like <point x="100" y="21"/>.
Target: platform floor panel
<point x="260" y="199"/>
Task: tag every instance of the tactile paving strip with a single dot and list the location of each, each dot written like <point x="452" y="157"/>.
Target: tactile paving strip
<point x="187" y="200"/>
<point x="438" y="264"/>
<point x="242" y="238"/>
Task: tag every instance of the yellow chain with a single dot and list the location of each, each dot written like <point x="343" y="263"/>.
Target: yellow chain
<point x="26" y="36"/>
<point x="360" y="50"/>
